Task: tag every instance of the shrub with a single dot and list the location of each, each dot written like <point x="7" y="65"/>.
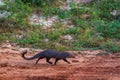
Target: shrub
<point x="40" y="3"/>
<point x="111" y="46"/>
<point x="18" y="14"/>
<point x="111" y="29"/>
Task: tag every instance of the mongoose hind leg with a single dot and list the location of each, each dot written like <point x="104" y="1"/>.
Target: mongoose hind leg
<point x="38" y="59"/>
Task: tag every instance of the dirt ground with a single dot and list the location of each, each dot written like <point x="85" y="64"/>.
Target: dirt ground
<point x="86" y="66"/>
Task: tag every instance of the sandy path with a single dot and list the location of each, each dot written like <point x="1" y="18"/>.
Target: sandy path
<point x="89" y="67"/>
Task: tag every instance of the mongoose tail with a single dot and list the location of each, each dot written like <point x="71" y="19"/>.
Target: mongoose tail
<point x="30" y="58"/>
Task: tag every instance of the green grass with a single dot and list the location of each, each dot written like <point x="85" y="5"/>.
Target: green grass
<point x="100" y="31"/>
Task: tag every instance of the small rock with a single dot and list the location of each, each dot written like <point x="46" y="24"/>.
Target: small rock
<point x="68" y="37"/>
<point x="46" y="40"/>
<point x="75" y="60"/>
<point x="2" y="3"/>
<point x="4" y="65"/>
<point x="115" y="12"/>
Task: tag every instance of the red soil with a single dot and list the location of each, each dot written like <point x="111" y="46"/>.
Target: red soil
<point x="83" y="67"/>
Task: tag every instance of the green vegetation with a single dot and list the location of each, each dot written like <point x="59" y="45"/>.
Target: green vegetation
<point x="94" y="26"/>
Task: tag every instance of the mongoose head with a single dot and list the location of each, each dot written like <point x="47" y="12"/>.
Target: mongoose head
<point x="68" y="55"/>
<point x="71" y="56"/>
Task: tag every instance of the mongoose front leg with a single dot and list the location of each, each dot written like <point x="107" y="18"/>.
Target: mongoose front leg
<point x="66" y="61"/>
<point x="47" y="59"/>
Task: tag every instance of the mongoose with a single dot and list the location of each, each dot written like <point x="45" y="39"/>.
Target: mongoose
<point x="48" y="54"/>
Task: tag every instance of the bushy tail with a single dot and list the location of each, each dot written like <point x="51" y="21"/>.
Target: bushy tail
<point x="30" y="58"/>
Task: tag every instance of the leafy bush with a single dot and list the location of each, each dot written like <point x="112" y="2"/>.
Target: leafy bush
<point x="18" y="14"/>
<point x="73" y="30"/>
<point x="40" y="3"/>
<point x="64" y="14"/>
<point x="104" y="10"/>
<point x="53" y="35"/>
<point x="111" y="29"/>
<point x="111" y="46"/>
<point x="94" y="26"/>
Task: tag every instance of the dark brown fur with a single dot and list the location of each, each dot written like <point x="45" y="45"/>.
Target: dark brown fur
<point x="48" y="54"/>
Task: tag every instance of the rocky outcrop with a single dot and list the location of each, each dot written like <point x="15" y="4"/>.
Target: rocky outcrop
<point x="3" y="12"/>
